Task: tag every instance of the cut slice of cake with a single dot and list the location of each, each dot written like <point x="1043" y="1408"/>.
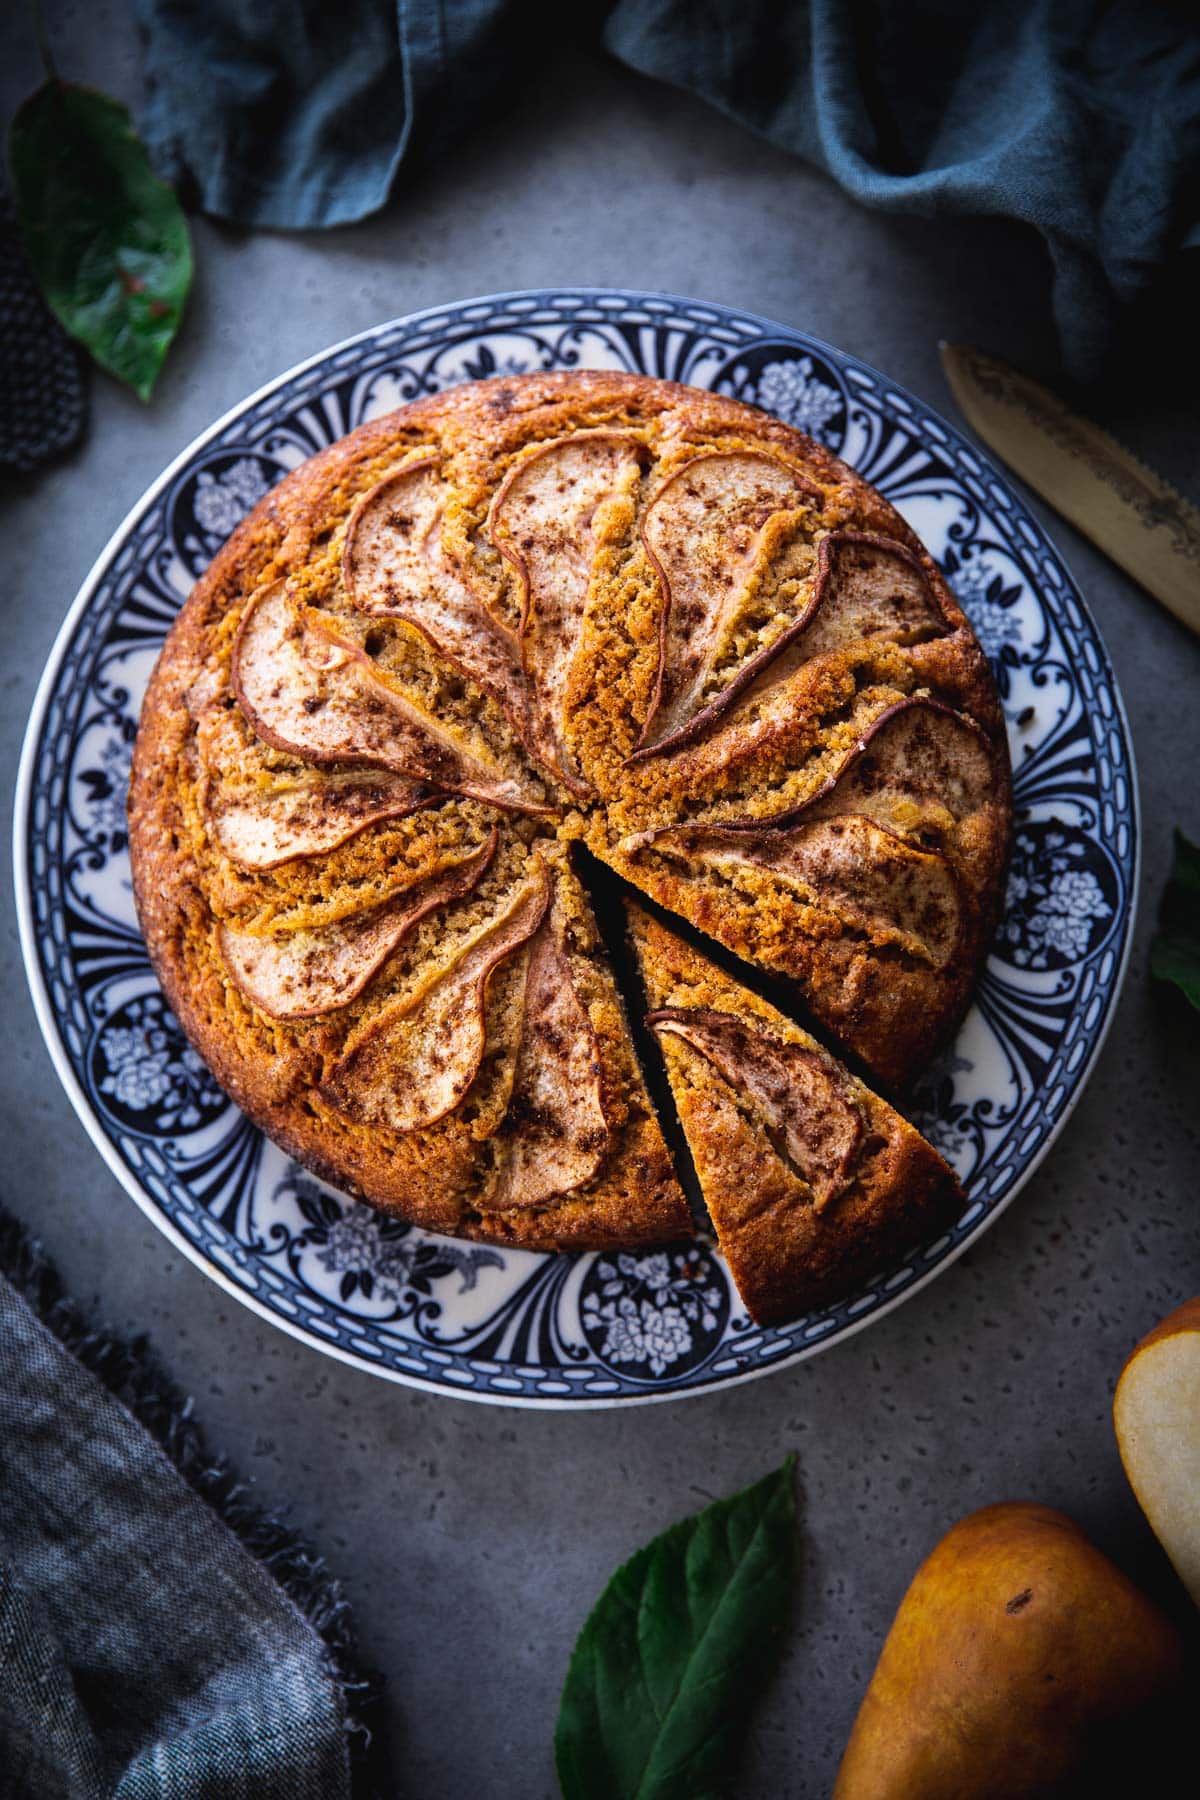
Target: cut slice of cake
<point x="813" y="1183"/>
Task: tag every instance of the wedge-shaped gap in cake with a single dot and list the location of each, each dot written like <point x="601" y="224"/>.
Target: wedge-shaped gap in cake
<point x="610" y="895"/>
<point x="549" y="519"/>
<point x="576" y="1155"/>
<point x="814" y="1184"/>
<point x="773" y="985"/>
<point x="307" y="688"/>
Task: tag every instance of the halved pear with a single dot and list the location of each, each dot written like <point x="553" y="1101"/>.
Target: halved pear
<point x="1156" y="1412"/>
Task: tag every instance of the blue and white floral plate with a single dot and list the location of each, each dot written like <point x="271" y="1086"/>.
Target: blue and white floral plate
<point x="513" y="1326"/>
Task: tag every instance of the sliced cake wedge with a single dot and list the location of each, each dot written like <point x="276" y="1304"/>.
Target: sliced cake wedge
<point x="812" y="1182"/>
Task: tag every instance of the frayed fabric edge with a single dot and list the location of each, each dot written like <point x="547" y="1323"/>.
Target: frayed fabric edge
<point x="130" y="1371"/>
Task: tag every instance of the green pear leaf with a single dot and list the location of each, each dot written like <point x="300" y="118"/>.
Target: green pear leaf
<point x="676" y="1652"/>
<point x="107" y="239"/>
<point x="1175" y="947"/>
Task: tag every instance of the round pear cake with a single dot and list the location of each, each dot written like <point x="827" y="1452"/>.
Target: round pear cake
<point x="536" y="640"/>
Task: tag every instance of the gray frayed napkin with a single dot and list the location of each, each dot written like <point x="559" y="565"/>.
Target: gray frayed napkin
<point x="148" y="1648"/>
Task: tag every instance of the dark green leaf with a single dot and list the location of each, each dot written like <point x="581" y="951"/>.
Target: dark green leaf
<point x="1175" y="950"/>
<point x="107" y="239"/>
<point x="677" y="1650"/>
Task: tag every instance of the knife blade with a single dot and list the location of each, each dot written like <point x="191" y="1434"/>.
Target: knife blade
<point x="1134" y="516"/>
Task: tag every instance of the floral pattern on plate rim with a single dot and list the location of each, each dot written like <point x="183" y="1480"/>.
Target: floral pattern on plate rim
<point x="510" y="1325"/>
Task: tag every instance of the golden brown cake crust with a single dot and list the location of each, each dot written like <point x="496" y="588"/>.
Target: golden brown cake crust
<point x="586" y="769"/>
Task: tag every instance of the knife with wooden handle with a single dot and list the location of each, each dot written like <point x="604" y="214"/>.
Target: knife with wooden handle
<point x="1134" y="516"/>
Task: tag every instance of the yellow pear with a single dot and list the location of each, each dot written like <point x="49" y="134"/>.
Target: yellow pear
<point x="1018" y="1647"/>
<point x="1156" y="1412"/>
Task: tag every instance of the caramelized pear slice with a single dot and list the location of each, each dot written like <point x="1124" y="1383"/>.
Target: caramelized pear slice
<point x="308" y="814"/>
<point x="917" y="770"/>
<point x="865" y="587"/>
<point x="548" y="521"/>
<point x="868" y="587"/>
<point x="306" y="689"/>
<point x="415" y="1062"/>
<point x="394" y="566"/>
<point x="556" y="1131"/>
<point x="707" y="533"/>
<point x="805" y="1105"/>
<point x="851" y="866"/>
<point x="310" y="972"/>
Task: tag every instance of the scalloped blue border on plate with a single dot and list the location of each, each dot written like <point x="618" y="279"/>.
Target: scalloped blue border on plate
<point x="514" y="1327"/>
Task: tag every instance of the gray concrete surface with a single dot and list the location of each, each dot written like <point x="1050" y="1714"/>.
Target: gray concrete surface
<point x="472" y="1540"/>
